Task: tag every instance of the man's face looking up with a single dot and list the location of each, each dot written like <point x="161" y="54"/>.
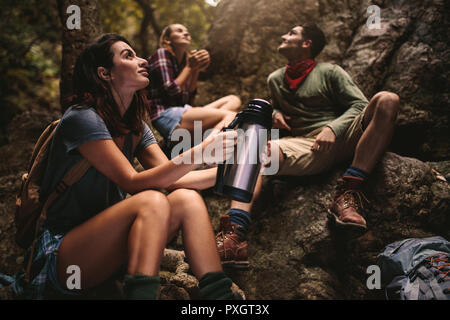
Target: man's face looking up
<point x="293" y="45"/>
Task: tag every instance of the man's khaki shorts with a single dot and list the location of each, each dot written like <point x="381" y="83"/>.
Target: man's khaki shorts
<point x="300" y="160"/>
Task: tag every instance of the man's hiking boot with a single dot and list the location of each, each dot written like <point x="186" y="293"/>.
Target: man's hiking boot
<point x="347" y="207"/>
<point x="231" y="245"/>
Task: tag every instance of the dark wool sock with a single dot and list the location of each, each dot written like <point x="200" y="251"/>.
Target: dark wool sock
<point x="141" y="287"/>
<point x="241" y="218"/>
<point x="356" y="172"/>
<point x="215" y="286"/>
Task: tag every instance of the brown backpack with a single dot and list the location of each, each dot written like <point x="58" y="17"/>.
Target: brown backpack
<point x="30" y="211"/>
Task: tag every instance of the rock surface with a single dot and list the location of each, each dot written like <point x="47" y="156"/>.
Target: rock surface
<point x="295" y="254"/>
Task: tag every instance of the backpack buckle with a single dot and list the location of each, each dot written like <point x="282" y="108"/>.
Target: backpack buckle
<point x="61" y="187"/>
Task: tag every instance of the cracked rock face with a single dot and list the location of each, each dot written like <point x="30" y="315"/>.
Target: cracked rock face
<point x="408" y="55"/>
<point x="295" y="254"/>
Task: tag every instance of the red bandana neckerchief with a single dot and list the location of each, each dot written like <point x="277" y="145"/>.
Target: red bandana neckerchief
<point x="296" y="73"/>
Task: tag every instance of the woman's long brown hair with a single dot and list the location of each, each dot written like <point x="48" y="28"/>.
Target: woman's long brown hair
<point x="92" y="91"/>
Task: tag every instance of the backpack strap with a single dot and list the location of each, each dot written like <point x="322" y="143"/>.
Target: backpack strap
<point x="436" y="289"/>
<point x="427" y="284"/>
<point x="411" y="289"/>
<point x="45" y="136"/>
<point x="71" y="177"/>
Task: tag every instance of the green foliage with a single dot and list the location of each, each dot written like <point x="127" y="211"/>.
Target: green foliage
<point x="125" y="17"/>
<point x="120" y="16"/>
<point x="28" y="63"/>
<point x="194" y="14"/>
<point x="30" y="44"/>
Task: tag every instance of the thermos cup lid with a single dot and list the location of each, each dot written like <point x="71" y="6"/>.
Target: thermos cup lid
<point x="258" y="111"/>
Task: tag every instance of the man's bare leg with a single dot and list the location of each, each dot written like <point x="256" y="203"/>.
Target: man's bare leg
<point x="379" y="121"/>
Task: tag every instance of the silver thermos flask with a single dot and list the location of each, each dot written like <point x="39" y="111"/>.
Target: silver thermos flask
<point x="237" y="177"/>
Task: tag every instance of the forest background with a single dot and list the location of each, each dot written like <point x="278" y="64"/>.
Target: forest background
<point x="32" y="35"/>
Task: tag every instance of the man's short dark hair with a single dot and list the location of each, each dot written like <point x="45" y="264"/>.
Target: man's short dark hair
<point x="312" y="32"/>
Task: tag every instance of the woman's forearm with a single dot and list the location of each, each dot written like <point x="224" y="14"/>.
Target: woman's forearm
<point x="184" y="75"/>
<point x="193" y="84"/>
<point x="198" y="180"/>
<point x="166" y="174"/>
<point x="176" y="173"/>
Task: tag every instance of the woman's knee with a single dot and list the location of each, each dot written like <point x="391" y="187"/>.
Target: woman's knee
<point x="234" y="101"/>
<point x="185" y="197"/>
<point x="152" y="204"/>
<point x="185" y="201"/>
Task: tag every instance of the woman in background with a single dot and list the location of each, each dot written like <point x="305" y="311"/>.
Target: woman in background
<point x="173" y="76"/>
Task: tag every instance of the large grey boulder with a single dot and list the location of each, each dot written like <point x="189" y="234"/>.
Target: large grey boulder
<point x="295" y="254"/>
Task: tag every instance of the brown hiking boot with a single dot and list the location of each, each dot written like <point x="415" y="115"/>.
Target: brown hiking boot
<point x="231" y="246"/>
<point x="347" y="206"/>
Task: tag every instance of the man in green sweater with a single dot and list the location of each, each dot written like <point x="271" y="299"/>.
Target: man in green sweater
<point x="328" y="120"/>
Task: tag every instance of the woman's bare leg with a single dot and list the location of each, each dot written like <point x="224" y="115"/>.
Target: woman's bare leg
<point x="134" y="229"/>
<point x="231" y="103"/>
<point x="189" y="213"/>
<point x="209" y="117"/>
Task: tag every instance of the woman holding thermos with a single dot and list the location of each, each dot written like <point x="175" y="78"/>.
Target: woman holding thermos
<point x="93" y="225"/>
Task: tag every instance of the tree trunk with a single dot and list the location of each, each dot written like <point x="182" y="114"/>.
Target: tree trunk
<point x="148" y="19"/>
<point x="74" y="40"/>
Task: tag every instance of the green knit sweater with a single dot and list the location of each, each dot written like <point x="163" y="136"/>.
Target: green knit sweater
<point x="327" y="97"/>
